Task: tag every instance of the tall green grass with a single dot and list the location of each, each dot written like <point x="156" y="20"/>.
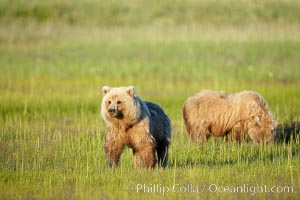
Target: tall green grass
<point x="65" y="159"/>
<point x="55" y="57"/>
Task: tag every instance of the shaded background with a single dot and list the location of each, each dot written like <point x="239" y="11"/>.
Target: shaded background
<point x="163" y="48"/>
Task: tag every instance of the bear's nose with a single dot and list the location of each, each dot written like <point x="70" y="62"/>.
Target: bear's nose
<point x="111" y="110"/>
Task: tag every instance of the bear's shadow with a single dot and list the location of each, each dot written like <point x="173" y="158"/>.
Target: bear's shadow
<point x="287" y="132"/>
<point x="200" y="163"/>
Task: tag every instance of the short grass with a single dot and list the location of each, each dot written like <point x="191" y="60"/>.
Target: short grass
<point x="54" y="59"/>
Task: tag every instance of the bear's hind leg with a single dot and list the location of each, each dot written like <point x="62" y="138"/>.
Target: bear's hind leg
<point x="162" y="154"/>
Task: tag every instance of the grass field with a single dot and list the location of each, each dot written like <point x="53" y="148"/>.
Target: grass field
<point x="55" y="56"/>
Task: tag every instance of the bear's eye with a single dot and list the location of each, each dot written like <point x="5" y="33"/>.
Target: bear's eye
<point x="119" y="102"/>
<point x="109" y="102"/>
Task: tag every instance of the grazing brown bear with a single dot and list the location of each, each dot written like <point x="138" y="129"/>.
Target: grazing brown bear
<point x="217" y="114"/>
<point x="143" y="126"/>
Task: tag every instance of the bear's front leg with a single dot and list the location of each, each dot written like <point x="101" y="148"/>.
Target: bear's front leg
<point x="200" y="134"/>
<point x="113" y="150"/>
<point x="237" y="133"/>
<point x="144" y="157"/>
<point x="143" y="145"/>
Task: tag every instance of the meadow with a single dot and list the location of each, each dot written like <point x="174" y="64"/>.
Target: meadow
<point x="55" y="56"/>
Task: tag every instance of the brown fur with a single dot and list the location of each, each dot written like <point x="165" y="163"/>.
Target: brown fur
<point x="139" y="125"/>
<point x="217" y="114"/>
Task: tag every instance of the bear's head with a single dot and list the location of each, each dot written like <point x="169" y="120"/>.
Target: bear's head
<point x="264" y="128"/>
<point x="118" y="102"/>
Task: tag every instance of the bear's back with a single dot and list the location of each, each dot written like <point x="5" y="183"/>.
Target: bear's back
<point x="204" y="100"/>
<point x="159" y="121"/>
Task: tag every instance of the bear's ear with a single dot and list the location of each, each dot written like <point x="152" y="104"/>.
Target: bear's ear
<point x="105" y="89"/>
<point x="130" y="90"/>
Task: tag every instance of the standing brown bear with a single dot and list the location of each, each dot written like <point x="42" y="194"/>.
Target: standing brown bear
<point x="217" y="114"/>
<point x="140" y="125"/>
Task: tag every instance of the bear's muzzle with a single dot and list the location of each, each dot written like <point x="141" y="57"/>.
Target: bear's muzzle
<point x="114" y="112"/>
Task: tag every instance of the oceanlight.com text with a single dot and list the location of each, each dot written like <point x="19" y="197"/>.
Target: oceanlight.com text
<point x="157" y="188"/>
